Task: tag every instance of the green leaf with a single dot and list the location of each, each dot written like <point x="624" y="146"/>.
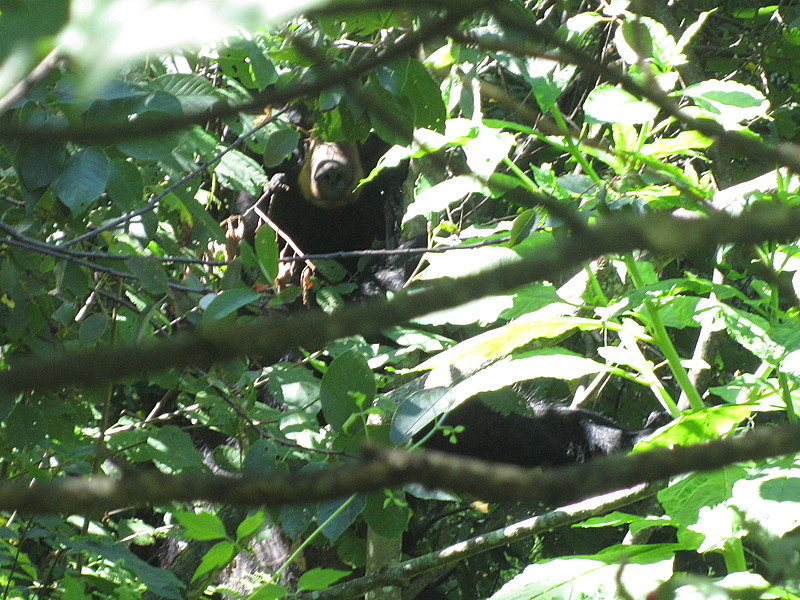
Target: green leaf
<point x="395" y="123"/>
<point x="731" y="102"/>
<point x="522" y="226"/>
<point x="238" y="171"/>
<point x="319" y="579"/>
<point x="172" y="450"/>
<point x="269" y="591"/>
<point x="150" y="273"/>
<point x="160" y="582"/>
<point x="386" y="513"/>
<point x="294" y="385"/>
<point x="633" y="41"/>
<point x="243" y="60"/>
<point x="217" y="557"/>
<point x="686" y="500"/>
<point x="125" y="186"/>
<point x="73" y="588"/>
<point x="262" y="458"/>
<point x="154" y="147"/>
<point x="226" y="303"/>
<point x="348" y="387"/>
<point x="589" y="577"/>
<point x="437" y="198"/>
<point x="296" y="518"/>
<point x="83" y="179"/>
<point x="426" y="99"/>
<point x="28" y="24"/>
<point x="555" y="363"/>
<point x="250" y="525"/>
<point x="92" y="328"/>
<point x="499" y="342"/>
<point x="346" y="512"/>
<point x="417" y="409"/>
<point x="266" y="247"/>
<point x="154" y="107"/>
<point x="770" y="496"/>
<point x="609" y="104"/>
<point x="193" y="92"/>
<point x="697" y="428"/>
<point x="683" y="143"/>
<point x="201" y="525"/>
<point x="280" y="143"/>
<point x="487" y="150"/>
<point x="643" y="39"/>
<point x="39" y="163"/>
<point x="752" y="332"/>
<point x="26" y="426"/>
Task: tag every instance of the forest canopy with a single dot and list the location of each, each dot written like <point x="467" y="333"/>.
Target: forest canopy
<point x="576" y="220"/>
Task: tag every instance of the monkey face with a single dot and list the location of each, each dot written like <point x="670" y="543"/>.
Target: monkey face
<point x="331" y="171"/>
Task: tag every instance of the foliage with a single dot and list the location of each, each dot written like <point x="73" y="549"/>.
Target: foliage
<point x="120" y="162"/>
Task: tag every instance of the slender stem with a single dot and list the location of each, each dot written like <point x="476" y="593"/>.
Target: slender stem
<point x="573" y="149"/>
<point x="733" y="553"/>
<point x="664" y="342"/>
<point x="786" y="394"/>
<point x="311" y="537"/>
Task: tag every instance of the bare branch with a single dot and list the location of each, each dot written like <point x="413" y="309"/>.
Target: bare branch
<point x="382" y="468"/>
<point x="401" y="573"/>
<point x="323" y="79"/>
<point x="271" y="337"/>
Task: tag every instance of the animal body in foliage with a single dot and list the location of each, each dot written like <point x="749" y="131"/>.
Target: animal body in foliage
<point x="314" y="198"/>
<point x="546" y="434"/>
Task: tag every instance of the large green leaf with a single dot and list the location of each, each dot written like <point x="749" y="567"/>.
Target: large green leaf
<point x="201" y="525"/>
<point x="610" y="104"/>
<point x="227" y="302"/>
<point x="348" y="387"/>
<point x="83" y="179"/>
<point x="589" y="577"/>
<point x="731" y="102"/>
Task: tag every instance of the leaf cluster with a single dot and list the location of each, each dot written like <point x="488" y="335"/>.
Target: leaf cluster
<point x="526" y="127"/>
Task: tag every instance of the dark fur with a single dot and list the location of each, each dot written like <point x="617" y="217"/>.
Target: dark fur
<point x="311" y="197"/>
<point x="549" y="435"/>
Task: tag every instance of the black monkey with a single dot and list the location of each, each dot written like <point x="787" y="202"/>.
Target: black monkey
<point x="546" y="434"/>
<point x="314" y="196"/>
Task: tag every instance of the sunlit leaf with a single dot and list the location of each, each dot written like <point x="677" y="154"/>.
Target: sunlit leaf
<point x="609" y="104"/>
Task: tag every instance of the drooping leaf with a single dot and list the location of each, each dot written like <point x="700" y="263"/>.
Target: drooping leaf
<point x="266" y="247"/>
<point x="386" y="514"/>
<point x="250" y="525"/>
<point x="150" y="273"/>
<point x="338" y="515"/>
<point x="238" y="171"/>
<point x="93" y="328"/>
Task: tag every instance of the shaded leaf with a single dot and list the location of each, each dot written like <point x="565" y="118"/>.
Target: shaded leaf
<point x="83" y="179"/>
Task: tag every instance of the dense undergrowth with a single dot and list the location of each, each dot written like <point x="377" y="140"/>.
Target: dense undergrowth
<point x="526" y="123"/>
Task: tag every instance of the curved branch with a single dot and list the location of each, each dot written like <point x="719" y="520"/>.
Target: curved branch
<point x="382" y="468"/>
<point x="270" y="337"/>
<point x="401" y="573"/>
<point x="54" y="251"/>
<point x="322" y="79"/>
